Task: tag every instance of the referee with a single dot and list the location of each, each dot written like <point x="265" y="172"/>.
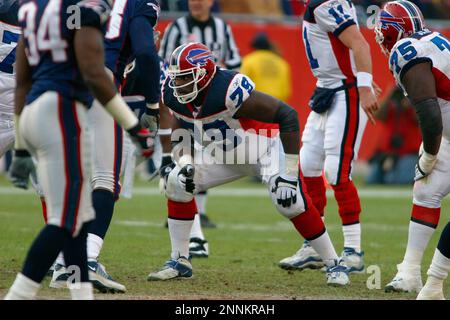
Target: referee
<point x="201" y="26"/>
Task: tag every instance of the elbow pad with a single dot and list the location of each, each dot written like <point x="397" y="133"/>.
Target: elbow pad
<point x="287" y="118"/>
<point x="429" y="116"/>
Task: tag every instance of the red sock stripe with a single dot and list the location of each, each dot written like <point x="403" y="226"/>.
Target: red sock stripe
<point x="315" y="187"/>
<point x="182" y="210"/>
<point x="308" y="223"/>
<point x="44" y="209"/>
<point x="426" y="216"/>
<point x="348" y="202"/>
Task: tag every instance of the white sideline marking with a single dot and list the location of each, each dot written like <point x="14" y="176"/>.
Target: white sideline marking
<point x="368" y="193"/>
<point x="279" y="226"/>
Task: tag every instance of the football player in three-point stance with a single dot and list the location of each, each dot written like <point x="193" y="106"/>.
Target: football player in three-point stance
<point x="220" y="110"/>
<point x="56" y="64"/>
<point x="420" y="61"/>
<point x="340" y="59"/>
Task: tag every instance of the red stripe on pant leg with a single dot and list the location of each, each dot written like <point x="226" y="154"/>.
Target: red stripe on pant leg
<point x="315" y="187"/>
<point x="426" y="216"/>
<point x="182" y="210"/>
<point x="348" y="202"/>
<point x="44" y="209"/>
<point x="80" y="170"/>
<point x="350" y="135"/>
<point x="66" y="164"/>
<point x="309" y="223"/>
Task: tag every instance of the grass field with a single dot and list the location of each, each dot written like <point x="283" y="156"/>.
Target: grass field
<point x="244" y="250"/>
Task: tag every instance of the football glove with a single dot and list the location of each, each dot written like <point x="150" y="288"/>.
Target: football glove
<point x="22" y="167"/>
<point x="424" y="165"/>
<point x="186" y="178"/>
<point x="286" y="190"/>
<point x="142" y="139"/>
<point x="150" y="120"/>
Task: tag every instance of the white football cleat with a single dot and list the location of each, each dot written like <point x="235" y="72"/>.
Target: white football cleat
<point x="353" y="260"/>
<point x="305" y="257"/>
<point x="101" y="280"/>
<point x="180" y="268"/>
<point x="198" y="248"/>
<point x="59" y="277"/>
<point x="337" y="275"/>
<point x="406" y="280"/>
<point x="432" y="290"/>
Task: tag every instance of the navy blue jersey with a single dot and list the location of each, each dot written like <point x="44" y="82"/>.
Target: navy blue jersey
<point x="49" y="27"/>
<point x="119" y="47"/>
<point x="225" y="94"/>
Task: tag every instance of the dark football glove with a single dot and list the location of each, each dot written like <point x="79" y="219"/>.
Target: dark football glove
<point x="22" y="167"/>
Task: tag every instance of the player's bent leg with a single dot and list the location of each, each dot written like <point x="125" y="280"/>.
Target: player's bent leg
<point x="181" y="212"/>
<point x="307" y="221"/>
<point x="439" y="269"/>
<point x="427" y="196"/>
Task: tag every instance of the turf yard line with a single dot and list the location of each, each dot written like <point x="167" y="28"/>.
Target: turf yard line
<point x="257" y="191"/>
<point x="280" y="226"/>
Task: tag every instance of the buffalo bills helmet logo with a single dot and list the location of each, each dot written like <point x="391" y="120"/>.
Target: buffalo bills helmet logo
<point x="198" y="57"/>
<point x="387" y="20"/>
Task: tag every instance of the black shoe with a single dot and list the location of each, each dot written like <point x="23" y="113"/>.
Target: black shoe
<point x="206" y="223"/>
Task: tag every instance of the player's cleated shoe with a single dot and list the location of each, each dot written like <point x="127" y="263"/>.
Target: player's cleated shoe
<point x="59" y="277"/>
<point x="198" y="248"/>
<point x="406" y="280"/>
<point x="50" y="271"/>
<point x="101" y="280"/>
<point x="337" y="275"/>
<point x="304" y="258"/>
<point x="205" y="222"/>
<point x="353" y="260"/>
<point x="432" y="290"/>
<point x="180" y="268"/>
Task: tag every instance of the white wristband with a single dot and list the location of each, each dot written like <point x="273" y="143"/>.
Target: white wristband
<point x="291" y="165"/>
<point x="427" y="161"/>
<point x="153" y="106"/>
<point x="121" y="112"/>
<point x="19" y="144"/>
<point x="165" y="132"/>
<point x="364" y="79"/>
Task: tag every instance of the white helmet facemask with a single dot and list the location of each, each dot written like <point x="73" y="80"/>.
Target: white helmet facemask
<point x="197" y="75"/>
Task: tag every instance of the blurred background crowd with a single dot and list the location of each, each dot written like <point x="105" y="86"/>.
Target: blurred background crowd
<point x="432" y="9"/>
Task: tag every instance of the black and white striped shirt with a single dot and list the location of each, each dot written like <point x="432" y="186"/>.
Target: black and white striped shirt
<point x="215" y="33"/>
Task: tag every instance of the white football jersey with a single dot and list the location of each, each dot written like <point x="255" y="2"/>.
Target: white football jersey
<point x="425" y="46"/>
<point x="9" y="35"/>
<point x="330" y="60"/>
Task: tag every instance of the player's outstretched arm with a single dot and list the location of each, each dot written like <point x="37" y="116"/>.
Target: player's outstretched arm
<point x="352" y="38"/>
<point x="89" y="52"/>
<point x="420" y="85"/>
<point x="265" y="108"/>
<point x="23" y="77"/>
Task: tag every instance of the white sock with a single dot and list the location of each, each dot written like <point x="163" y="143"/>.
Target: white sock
<point x="352" y="236"/>
<point x="179" y="231"/>
<point x="325" y="249"/>
<point x="440" y="266"/>
<point x="418" y="237"/>
<point x="60" y="259"/>
<point x="94" y="246"/>
<point x="196" y="231"/>
<point x="23" y="288"/>
<point x="200" y="199"/>
<point x="81" y="291"/>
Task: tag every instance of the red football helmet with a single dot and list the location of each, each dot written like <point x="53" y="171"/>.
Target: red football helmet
<point x="397" y="20"/>
<point x="192" y="59"/>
